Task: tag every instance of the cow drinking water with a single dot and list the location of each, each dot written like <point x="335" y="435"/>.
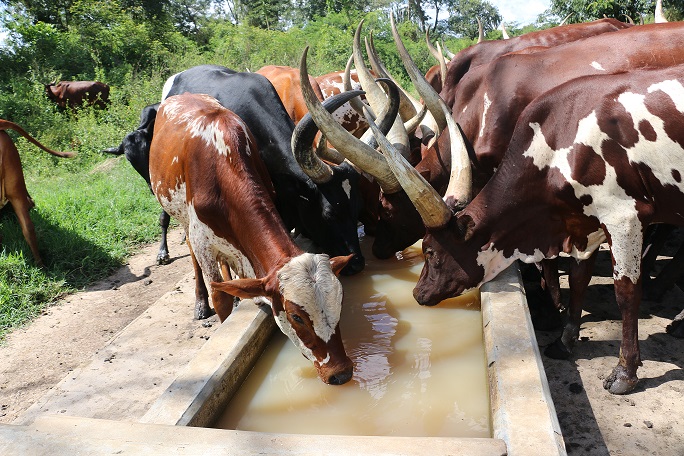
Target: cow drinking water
<point x="206" y="172"/>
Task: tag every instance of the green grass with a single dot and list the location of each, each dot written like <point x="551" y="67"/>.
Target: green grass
<point x="89" y="216"/>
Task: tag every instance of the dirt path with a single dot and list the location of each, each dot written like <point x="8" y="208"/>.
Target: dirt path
<point x="649" y="421"/>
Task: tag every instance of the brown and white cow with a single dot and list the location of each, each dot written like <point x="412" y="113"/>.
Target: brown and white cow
<point x="12" y="186"/>
<point x="599" y="157"/>
<point x="78" y="93"/>
<point x="205" y="170"/>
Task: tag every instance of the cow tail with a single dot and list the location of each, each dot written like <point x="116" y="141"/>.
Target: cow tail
<point x="6" y="124"/>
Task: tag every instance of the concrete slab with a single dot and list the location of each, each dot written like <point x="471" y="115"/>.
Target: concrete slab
<point x="50" y="435"/>
<point x="118" y="384"/>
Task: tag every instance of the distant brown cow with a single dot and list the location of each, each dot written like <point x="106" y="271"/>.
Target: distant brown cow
<point x="12" y="185"/>
<point x="78" y="93"/>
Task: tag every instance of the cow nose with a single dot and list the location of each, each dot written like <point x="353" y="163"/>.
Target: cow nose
<point x="340" y="378"/>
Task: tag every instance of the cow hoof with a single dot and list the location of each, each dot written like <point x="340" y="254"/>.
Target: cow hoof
<point x="557" y="350"/>
<point x="676" y="329"/>
<point x="163" y="259"/>
<point x="203" y="311"/>
<point x="619" y="382"/>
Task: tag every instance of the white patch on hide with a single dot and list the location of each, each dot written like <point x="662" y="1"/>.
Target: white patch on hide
<point x="308" y="281"/>
<point x="597" y="66"/>
<point x="610" y="203"/>
<point x="486" y="104"/>
<point x="206" y="245"/>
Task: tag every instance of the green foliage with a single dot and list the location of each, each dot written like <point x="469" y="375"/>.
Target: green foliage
<point x="584" y="10"/>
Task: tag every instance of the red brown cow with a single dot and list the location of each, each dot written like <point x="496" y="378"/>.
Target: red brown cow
<point x="486" y="51"/>
<point x="12" y="186"/>
<point x="78" y="93"/>
<point x="600" y="157"/>
<point x="205" y="170"/>
<point x="286" y="82"/>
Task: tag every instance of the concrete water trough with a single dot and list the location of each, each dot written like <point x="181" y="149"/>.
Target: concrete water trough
<point x="523" y="418"/>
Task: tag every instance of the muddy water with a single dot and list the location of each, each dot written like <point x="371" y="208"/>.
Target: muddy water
<point x="418" y="371"/>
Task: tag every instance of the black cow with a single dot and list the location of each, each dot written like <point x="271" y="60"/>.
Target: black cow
<point x="320" y="201"/>
<point x="136" y="147"/>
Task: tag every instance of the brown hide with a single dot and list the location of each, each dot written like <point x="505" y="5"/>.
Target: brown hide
<point x="619" y="139"/>
<point x="286" y="82"/>
<point x="508" y="84"/>
<point x="12" y="186"/>
<point x="486" y="51"/>
<point x="206" y="171"/>
<point x="78" y="93"/>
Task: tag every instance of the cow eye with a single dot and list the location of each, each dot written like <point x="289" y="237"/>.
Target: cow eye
<point x="297" y="319"/>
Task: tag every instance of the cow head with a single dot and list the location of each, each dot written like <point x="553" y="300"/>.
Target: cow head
<point x="306" y="299"/>
<point x="54" y="93"/>
<point x="136" y="144"/>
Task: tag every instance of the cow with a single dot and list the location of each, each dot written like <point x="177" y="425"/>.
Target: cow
<point x="75" y="94"/>
<point x="206" y="171"/>
<point x="485" y="92"/>
<point x="285" y="80"/>
<point x="330" y="85"/>
<point x="487" y="51"/>
<point x="13" y="187"/>
<point x="597" y="158"/>
<point x="136" y="148"/>
<point x="322" y="206"/>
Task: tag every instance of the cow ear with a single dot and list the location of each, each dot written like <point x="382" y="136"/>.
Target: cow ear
<point x="338" y="263"/>
<point x="466" y="226"/>
<point x="242" y="288"/>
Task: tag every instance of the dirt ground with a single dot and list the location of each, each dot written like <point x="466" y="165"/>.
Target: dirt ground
<point x="649" y="421"/>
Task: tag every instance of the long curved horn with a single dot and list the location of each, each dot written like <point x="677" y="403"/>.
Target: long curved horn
<point x="460" y="188"/>
<point x="355" y="150"/>
<point x="430" y="97"/>
<point x="355" y="103"/>
<point x="376" y="97"/>
<point x="566" y="18"/>
<point x="449" y="55"/>
<point x="304" y="134"/>
<point x="409" y="105"/>
<point x="480" y="31"/>
<point x="388" y="116"/>
<point x="631" y="21"/>
<point x="432" y="209"/>
<point x="505" y="33"/>
<point x="438" y="55"/>
<point x="659" y="16"/>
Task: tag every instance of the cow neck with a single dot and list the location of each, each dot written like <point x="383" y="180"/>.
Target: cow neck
<point x="268" y="249"/>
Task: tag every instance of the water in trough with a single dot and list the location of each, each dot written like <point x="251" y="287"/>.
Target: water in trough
<point x="418" y="371"/>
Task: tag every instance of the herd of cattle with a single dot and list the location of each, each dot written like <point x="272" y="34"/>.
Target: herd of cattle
<point x="531" y="147"/>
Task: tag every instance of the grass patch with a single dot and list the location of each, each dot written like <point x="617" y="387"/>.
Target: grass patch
<point x="87" y="221"/>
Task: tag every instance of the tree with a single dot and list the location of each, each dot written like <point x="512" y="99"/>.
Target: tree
<point x="464" y="14"/>
<point x="589" y="10"/>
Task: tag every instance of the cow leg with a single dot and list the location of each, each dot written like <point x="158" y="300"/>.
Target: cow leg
<point x="552" y="282"/>
<point x="22" y="206"/>
<point x="202" y="308"/>
<point x="676" y="328"/>
<point x="163" y="255"/>
<point x="579" y="277"/>
<point x="654" y="289"/>
<point x="667" y="277"/>
<point x="623" y="378"/>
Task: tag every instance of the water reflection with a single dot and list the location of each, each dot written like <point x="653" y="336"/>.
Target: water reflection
<point x="418" y="371"/>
